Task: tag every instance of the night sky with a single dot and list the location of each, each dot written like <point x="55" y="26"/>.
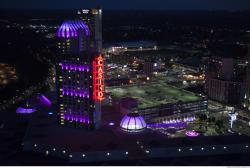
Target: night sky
<point x="129" y="4"/>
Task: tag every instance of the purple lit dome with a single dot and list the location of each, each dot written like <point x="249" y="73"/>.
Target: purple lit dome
<point x="70" y="29"/>
<point x="133" y="122"/>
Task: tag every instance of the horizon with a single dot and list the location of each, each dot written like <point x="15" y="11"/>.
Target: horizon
<point x="128" y="10"/>
<point x="229" y="5"/>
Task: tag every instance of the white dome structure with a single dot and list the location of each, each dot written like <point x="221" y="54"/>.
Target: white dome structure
<point x="133" y="122"/>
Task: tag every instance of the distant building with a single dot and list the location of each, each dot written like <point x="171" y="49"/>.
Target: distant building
<point x="120" y="58"/>
<point x="222" y="80"/>
<point x="246" y="100"/>
<point x="120" y="47"/>
<point x="79" y="77"/>
<point x="118" y="81"/>
<point x="93" y="18"/>
<point x="193" y="77"/>
<point x="225" y="91"/>
<point x="148" y="68"/>
<point x="192" y="64"/>
<point x="173" y="110"/>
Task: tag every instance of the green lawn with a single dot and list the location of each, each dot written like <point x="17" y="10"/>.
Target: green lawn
<point x="153" y="94"/>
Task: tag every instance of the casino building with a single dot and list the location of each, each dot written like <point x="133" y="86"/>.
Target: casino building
<point x="80" y="77"/>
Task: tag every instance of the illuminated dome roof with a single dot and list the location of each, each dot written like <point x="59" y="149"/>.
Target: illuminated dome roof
<point x="70" y="29"/>
<point x="133" y="122"/>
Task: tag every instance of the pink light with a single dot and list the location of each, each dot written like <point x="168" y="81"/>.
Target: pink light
<point x="192" y="133"/>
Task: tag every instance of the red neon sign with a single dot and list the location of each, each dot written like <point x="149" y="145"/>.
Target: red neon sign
<point x="98" y="78"/>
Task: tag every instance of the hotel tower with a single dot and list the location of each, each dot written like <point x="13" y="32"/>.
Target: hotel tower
<point x="80" y="76"/>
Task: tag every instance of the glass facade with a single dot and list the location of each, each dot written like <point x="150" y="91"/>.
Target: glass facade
<point x="179" y="108"/>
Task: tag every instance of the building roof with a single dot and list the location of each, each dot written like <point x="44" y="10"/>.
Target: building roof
<point x="70" y="29"/>
<point x="153" y="94"/>
<point x="46" y="133"/>
<point x="133" y="122"/>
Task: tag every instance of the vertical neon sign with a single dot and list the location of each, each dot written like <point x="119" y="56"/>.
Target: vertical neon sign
<point x="98" y="78"/>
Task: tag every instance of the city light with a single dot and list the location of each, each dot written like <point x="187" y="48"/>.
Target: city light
<point x="192" y="133"/>
<point x="22" y="110"/>
<point x="180" y="124"/>
<point x="111" y="123"/>
<point x="125" y="88"/>
<point x="98" y="78"/>
<point x="74" y="67"/>
<point x="69" y="29"/>
<point x="45" y="100"/>
<point x="50" y="113"/>
<point x="75" y="92"/>
<point x="76" y="117"/>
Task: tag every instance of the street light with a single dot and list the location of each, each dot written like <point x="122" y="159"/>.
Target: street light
<point x="233" y="117"/>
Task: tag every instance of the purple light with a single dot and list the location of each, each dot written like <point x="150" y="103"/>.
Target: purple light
<point x="45" y="100"/>
<point x="111" y="123"/>
<point x="22" y="110"/>
<point x="74" y="67"/>
<point x="76" y="118"/>
<point x="192" y="133"/>
<point x="181" y="124"/>
<point x="189" y="119"/>
<point x="75" y="92"/>
<point x="132" y="122"/>
<point x="70" y="29"/>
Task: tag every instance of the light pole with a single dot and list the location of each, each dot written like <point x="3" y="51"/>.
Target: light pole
<point x="232" y="115"/>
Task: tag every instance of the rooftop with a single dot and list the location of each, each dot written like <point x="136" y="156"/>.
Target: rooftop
<point x="153" y="94"/>
<point x="70" y="29"/>
<point x="44" y="134"/>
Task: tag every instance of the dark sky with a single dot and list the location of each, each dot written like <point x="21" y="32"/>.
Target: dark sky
<point x="129" y="4"/>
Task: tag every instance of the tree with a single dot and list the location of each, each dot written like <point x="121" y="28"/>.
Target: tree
<point x="219" y="123"/>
